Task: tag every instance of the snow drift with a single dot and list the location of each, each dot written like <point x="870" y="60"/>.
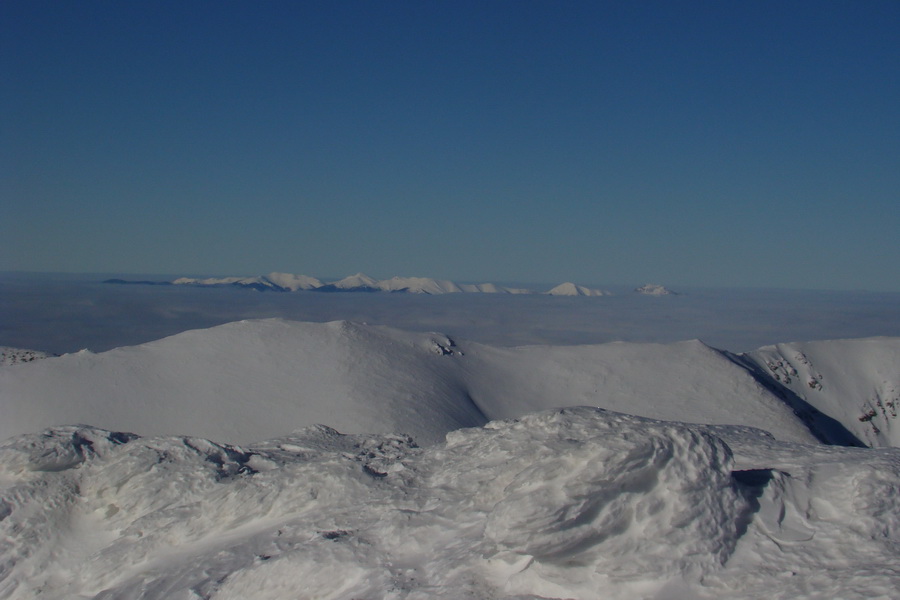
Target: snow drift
<point x="578" y="503"/>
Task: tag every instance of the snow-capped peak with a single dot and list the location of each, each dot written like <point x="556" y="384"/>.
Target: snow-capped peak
<point x="418" y="285"/>
<point x="358" y="281"/>
<point x="571" y="289"/>
<point x="653" y="289"/>
<point x="287" y="282"/>
<point x="291" y="282"/>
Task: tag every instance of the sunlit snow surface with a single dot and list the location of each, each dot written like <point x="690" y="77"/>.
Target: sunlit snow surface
<point x="577" y="503"/>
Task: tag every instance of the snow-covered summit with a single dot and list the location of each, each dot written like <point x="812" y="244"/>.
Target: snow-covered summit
<point x="653" y="289"/>
<point x="360" y="282"/>
<point x="418" y="285"/>
<point x="252" y="380"/>
<point x="282" y="282"/>
<point x="292" y="283"/>
<point x="571" y="289"/>
<point x="15" y="356"/>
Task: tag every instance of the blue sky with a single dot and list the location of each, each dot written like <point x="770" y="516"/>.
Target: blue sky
<point x="689" y="143"/>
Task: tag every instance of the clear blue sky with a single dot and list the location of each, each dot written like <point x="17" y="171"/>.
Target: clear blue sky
<point x="689" y="143"/>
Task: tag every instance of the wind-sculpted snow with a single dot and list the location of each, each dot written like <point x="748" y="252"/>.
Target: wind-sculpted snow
<point x="827" y="521"/>
<point x="585" y="497"/>
<point x="578" y="503"/>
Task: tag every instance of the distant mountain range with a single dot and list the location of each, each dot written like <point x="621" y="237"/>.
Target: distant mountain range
<point x="288" y="282"/>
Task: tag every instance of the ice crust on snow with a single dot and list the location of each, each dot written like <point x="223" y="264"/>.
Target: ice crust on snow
<point x="577" y="503"/>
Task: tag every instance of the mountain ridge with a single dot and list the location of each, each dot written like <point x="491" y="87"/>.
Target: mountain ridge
<point x="360" y="282"/>
<point x="253" y="379"/>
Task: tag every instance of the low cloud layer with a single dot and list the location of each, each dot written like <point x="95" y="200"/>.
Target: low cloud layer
<point x="67" y="314"/>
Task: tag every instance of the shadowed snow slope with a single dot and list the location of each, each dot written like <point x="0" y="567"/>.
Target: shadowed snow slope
<point x="855" y="381"/>
<point x="253" y="380"/>
<point x="579" y="503"/>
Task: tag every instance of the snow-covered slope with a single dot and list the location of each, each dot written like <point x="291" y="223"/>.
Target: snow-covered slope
<point x="491" y="288"/>
<point x="248" y="381"/>
<point x="360" y="281"/>
<point x="282" y="282"/>
<point x="578" y="504"/>
<point x="856" y="382"/>
<point x="571" y="289"/>
<point x="286" y="282"/>
<point x="216" y="280"/>
<point x="654" y="289"/>
<point x="15" y="356"/>
<point x="253" y="380"/>
<point x="685" y="381"/>
<point x="418" y="285"/>
<point x="292" y="283"/>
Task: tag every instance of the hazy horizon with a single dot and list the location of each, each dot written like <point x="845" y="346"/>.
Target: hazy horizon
<point x="72" y="312"/>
